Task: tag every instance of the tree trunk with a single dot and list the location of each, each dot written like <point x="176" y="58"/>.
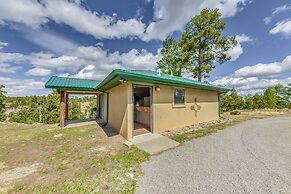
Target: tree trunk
<point x="199" y="78"/>
<point x="199" y="74"/>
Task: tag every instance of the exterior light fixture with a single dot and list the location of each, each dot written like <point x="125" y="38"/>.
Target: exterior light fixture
<point x="122" y="80"/>
<point x="158" y="88"/>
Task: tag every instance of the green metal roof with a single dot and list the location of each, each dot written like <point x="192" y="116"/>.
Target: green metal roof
<point x="147" y="76"/>
<point x="75" y="84"/>
<point x="113" y="79"/>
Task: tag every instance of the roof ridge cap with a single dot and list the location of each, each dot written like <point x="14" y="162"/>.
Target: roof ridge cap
<point x="77" y="78"/>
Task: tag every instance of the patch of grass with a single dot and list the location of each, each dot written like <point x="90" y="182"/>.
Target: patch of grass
<point x="59" y="157"/>
<point x="194" y="134"/>
<point x="131" y="157"/>
<point x="18" y="188"/>
<point x="62" y="151"/>
<point x="235" y="112"/>
<point x="119" y="177"/>
<point x="44" y="189"/>
<point x="72" y="133"/>
<point x="11" y="132"/>
<point x="235" y="119"/>
<point x="206" y="131"/>
<point x="100" y="162"/>
<point x="202" y="132"/>
<point x="62" y="167"/>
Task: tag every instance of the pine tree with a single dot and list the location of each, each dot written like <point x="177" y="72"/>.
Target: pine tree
<point x="2" y="103"/>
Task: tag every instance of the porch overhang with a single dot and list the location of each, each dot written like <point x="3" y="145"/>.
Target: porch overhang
<point x="66" y="86"/>
<point x="72" y="84"/>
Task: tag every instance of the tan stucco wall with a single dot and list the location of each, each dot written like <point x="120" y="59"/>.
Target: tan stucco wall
<point x="169" y="117"/>
<point x="120" y="109"/>
<point x="166" y="115"/>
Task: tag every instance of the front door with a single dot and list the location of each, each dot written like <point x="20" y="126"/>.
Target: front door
<point x="142" y="109"/>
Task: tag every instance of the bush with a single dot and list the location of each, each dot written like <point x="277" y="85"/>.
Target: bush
<point x="235" y="112"/>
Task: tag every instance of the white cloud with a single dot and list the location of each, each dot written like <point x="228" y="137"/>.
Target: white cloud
<point x="21" y="87"/>
<point x="11" y="57"/>
<point x="94" y="61"/>
<point x="35" y="14"/>
<point x="282" y="27"/>
<point x="50" y="61"/>
<point x="243" y="38"/>
<point x="256" y="78"/>
<point x="172" y="15"/>
<point x="237" y="51"/>
<point x="30" y="12"/>
<point x="3" y="44"/>
<point x="49" y="40"/>
<point x="250" y="85"/>
<point x="135" y="59"/>
<point x="85" y="21"/>
<point x="277" y="11"/>
<point x="265" y="70"/>
<point x="169" y="16"/>
<point x="7" y="68"/>
<point x="101" y="62"/>
<point x="41" y="72"/>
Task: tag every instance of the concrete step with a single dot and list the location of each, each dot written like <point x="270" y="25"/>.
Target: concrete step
<point x="152" y="143"/>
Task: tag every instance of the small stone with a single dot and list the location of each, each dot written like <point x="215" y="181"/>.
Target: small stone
<point x="58" y="135"/>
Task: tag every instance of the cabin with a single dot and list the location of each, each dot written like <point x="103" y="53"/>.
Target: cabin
<point x="136" y="102"/>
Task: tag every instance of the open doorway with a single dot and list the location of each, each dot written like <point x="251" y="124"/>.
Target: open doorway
<point x="142" y="114"/>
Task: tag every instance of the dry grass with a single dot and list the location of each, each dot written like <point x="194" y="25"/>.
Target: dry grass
<point x="71" y="160"/>
<point x="227" y="120"/>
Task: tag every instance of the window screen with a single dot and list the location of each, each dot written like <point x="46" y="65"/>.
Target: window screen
<point x="179" y="96"/>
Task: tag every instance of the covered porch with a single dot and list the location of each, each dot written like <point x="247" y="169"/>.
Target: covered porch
<point x="75" y="86"/>
<point x="64" y="107"/>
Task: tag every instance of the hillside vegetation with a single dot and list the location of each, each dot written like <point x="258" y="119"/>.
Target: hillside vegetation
<point x="278" y="97"/>
<point x="45" y="109"/>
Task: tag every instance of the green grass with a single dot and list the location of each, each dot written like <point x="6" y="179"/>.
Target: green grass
<point x="201" y="132"/>
<point x="120" y="177"/>
<point x="62" y="152"/>
<point x="14" y="132"/>
<point x="191" y="135"/>
<point x="18" y="188"/>
<point x="70" y="165"/>
<point x="213" y="129"/>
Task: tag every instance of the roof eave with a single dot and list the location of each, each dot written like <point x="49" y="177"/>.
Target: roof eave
<point x="70" y="88"/>
<point x="148" y="79"/>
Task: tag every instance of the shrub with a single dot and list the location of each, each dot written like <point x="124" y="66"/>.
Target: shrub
<point x="235" y="112"/>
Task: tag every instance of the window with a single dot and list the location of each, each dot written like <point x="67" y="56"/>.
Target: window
<point x="179" y="96"/>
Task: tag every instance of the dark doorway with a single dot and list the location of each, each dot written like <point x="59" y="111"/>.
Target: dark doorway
<point x="142" y="114"/>
<point x="100" y="106"/>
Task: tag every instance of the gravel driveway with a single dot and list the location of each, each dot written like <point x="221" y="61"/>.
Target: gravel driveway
<point x="251" y="157"/>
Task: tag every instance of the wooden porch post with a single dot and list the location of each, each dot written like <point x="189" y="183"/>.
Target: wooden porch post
<point x="67" y="107"/>
<point x="62" y="108"/>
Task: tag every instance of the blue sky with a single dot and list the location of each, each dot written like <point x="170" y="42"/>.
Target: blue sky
<point x="88" y="39"/>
